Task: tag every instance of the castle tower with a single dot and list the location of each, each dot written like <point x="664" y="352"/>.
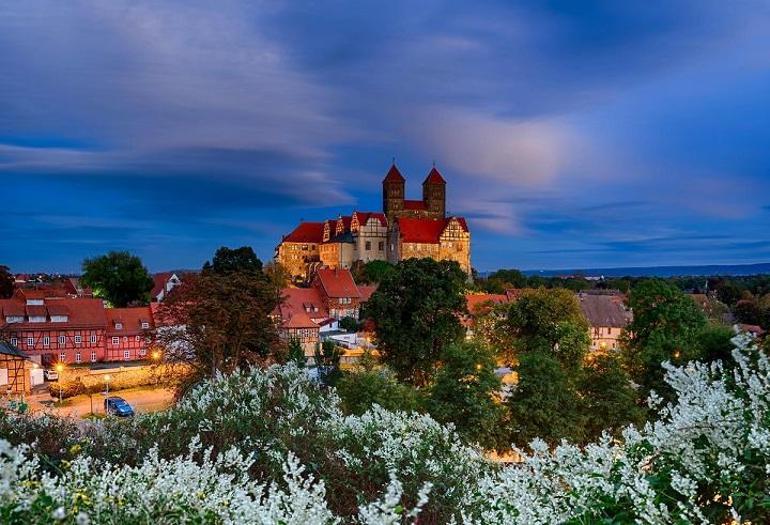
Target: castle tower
<point x="434" y="194"/>
<point x="393" y="189"/>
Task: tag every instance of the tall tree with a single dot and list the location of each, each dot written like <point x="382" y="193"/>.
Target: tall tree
<point x="666" y="327"/>
<point x="609" y="398"/>
<point x="118" y="277"/>
<point x="464" y="392"/>
<point x="232" y="260"/>
<point x="372" y="272"/>
<point x="551" y="321"/>
<point x="544" y="403"/>
<point x="416" y="311"/>
<point x="6" y="282"/>
<point x="218" y="322"/>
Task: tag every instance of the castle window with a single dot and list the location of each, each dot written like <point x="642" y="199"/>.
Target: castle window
<point x="93" y="357"/>
<point x="116" y="341"/>
<point x="381" y="246"/>
<point x="368" y="245"/>
<point x="78" y="339"/>
<point x="30" y="341"/>
<point x="62" y="357"/>
<point x="14" y="341"/>
<point x="93" y="339"/>
<point x="77" y="357"/>
<point x="46" y="341"/>
<point x="126" y="355"/>
<point x="62" y="339"/>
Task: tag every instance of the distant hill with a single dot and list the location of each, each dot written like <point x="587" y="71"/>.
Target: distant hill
<point x="661" y="271"/>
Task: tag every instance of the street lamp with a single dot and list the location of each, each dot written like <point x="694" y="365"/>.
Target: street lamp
<point x="59" y="369"/>
<point x="107" y="384"/>
<point x="155" y="355"/>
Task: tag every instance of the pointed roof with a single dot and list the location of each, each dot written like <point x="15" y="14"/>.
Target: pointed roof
<point x="434" y="177"/>
<point x="394" y="175"/>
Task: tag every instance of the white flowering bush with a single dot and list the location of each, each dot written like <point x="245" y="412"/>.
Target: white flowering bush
<point x="272" y="447"/>
<point x="705" y="460"/>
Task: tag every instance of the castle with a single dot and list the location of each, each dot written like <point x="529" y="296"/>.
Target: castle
<point x="404" y="229"/>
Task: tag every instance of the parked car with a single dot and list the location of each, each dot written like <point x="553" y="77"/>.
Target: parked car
<point x="50" y="375"/>
<point x="117" y="406"/>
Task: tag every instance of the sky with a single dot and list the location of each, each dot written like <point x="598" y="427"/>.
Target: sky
<point x="571" y="134"/>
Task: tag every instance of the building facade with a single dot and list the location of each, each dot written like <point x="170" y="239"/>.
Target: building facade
<point x="73" y="330"/>
<point x="607" y="316"/>
<point x="404" y="229"/>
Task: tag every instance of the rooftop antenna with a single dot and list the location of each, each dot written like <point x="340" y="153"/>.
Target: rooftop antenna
<point x="393" y="160"/>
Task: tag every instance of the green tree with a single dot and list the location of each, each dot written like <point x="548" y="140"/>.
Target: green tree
<point x="327" y="362"/>
<point x="550" y="320"/>
<point x="666" y="327"/>
<point x="360" y="390"/>
<point x="219" y="322"/>
<point x="715" y="343"/>
<point x="231" y="260"/>
<point x="118" y="277"/>
<point x="372" y="272"/>
<point x="464" y="392"/>
<point x="296" y="354"/>
<point x="609" y="398"/>
<point x="6" y="282"/>
<point x="544" y="403"/>
<point x="416" y="311"/>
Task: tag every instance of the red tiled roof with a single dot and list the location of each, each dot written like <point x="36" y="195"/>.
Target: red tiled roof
<point x="337" y="283"/>
<point x="299" y="320"/>
<point x="366" y="291"/>
<point x="426" y="231"/>
<point x="57" y="309"/>
<point x="295" y="300"/>
<point x="434" y="177"/>
<point x="312" y="232"/>
<point x="364" y="216"/>
<point x="88" y="313"/>
<point x="479" y="302"/>
<point x="394" y="175"/>
<point x="414" y="205"/>
<point x="36" y="311"/>
<point x="131" y="318"/>
<point x="159" y="281"/>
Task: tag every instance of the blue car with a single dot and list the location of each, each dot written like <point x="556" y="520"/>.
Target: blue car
<point x="117" y="406"/>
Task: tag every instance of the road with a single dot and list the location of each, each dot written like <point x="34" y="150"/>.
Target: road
<point x="142" y="399"/>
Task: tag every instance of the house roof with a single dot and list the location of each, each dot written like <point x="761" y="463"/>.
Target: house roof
<point x="479" y="302"/>
<point x="82" y="312"/>
<point x="394" y="175"/>
<point x="312" y="232"/>
<point x="434" y="177"/>
<point x="364" y="216"/>
<point x="337" y="283"/>
<point x="295" y="300"/>
<point x="604" y="310"/>
<point x="345" y="222"/>
<point x="299" y="320"/>
<point x="414" y="205"/>
<point x="366" y="291"/>
<point x="425" y="230"/>
<point x="159" y="281"/>
<point x="8" y="349"/>
<point x="132" y="319"/>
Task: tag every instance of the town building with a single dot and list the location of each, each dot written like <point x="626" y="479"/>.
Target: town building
<point x="308" y="313"/>
<point x="14" y="370"/>
<point x="607" y="316"/>
<point x="404" y="229"/>
<point x="162" y="284"/>
<point x="73" y="330"/>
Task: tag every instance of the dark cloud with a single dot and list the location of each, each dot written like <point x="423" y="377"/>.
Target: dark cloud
<point x="615" y="132"/>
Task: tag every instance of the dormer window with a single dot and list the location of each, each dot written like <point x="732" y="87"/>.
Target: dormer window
<point x="118" y="326"/>
<point x="14" y="319"/>
<point x="59" y="318"/>
<point x="37" y="319"/>
<point x="145" y="325"/>
<point x="35" y="302"/>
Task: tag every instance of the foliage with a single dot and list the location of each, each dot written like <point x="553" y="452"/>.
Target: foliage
<point x="416" y="311"/>
<point x="296" y="354"/>
<point x="544" y="403"/>
<point x="362" y="389"/>
<point x="228" y="261"/>
<point x="327" y="362"/>
<point x="6" y="282"/>
<point x="219" y="322"/>
<point x="372" y="272"/>
<point x="608" y="397"/>
<point x="271" y="446"/>
<point x="666" y="327"/>
<point x="465" y="392"/>
<point x="715" y="343"/>
<point x="118" y="277"/>
<point x="551" y="321"/>
<point x="499" y="281"/>
<point x="350" y="324"/>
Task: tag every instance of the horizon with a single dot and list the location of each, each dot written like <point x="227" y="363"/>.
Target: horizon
<point x="591" y="136"/>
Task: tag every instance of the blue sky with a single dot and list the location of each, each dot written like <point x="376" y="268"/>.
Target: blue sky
<point x="572" y="134"/>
